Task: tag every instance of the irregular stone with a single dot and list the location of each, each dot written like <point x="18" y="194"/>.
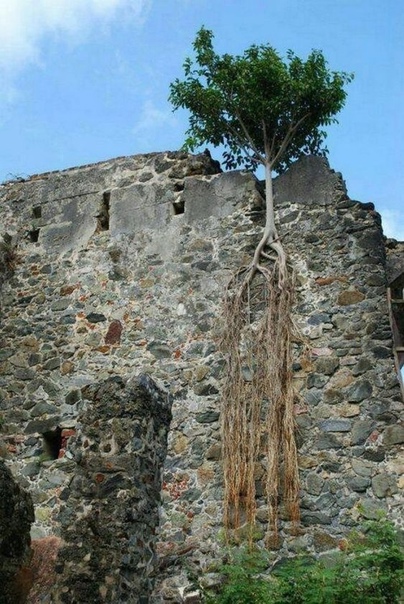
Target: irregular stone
<point x="327" y="441"/>
<point x="314" y="483"/>
<point x="53" y="363"/>
<point x="359" y="391"/>
<point x="382" y="352"/>
<point x="214" y="452"/>
<point x="59" y="305"/>
<point x="336" y="425"/>
<point x="371" y="509"/>
<point x="348" y="297"/>
<point x="94" y="317"/>
<point x="358" y="483"/>
<point x="160" y="351"/>
<point x="205" y="389"/>
<point x="309" y="518"/>
<point x="384" y="485"/>
<point x="207" y="417"/>
<point x="374" y="454"/>
<point x="362" y="468"/>
<point x="393" y="435"/>
<point x="361" y="430"/>
<point x="42" y="408"/>
<point x="326" y="365"/>
<point x="114" y="333"/>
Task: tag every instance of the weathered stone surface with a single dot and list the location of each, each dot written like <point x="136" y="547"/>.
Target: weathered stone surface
<point x="114" y="333"/>
<point x="350" y="297"/>
<point x="359" y="391"/>
<point x="361" y="430"/>
<point x="296" y="185"/>
<point x="16" y="517"/>
<point x="393" y="435"/>
<point x="110" y="515"/>
<point x="384" y="485"/>
<point x="336" y="425"/>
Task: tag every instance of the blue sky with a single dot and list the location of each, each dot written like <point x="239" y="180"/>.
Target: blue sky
<point x="86" y="80"/>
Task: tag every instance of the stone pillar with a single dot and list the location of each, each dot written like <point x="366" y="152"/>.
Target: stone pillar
<point x="110" y="513"/>
<point x="16" y="516"/>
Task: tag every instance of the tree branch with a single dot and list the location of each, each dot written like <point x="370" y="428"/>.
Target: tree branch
<point x="242" y="145"/>
<point x="288" y="137"/>
<point x="248" y="137"/>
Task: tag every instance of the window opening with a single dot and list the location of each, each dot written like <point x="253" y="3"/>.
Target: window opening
<point x="37" y="212"/>
<point x="103" y="216"/>
<point x="52" y="442"/>
<point x="33" y="235"/>
<point x="179" y="207"/>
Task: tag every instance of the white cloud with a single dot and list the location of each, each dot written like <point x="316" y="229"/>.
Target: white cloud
<point x="152" y="118"/>
<point x="153" y="124"/>
<point x="25" y="23"/>
<point x="393" y="224"/>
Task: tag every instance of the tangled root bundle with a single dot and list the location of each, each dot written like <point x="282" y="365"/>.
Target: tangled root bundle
<point x="258" y="398"/>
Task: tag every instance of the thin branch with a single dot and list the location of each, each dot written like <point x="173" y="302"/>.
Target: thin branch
<point x="289" y="135"/>
<point x="248" y="137"/>
<point x="242" y="146"/>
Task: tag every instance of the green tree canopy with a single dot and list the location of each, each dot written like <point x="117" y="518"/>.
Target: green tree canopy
<point x="262" y="108"/>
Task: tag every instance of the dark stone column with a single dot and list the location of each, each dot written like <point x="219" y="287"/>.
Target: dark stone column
<point x="16" y="516"/>
<point x="111" y="506"/>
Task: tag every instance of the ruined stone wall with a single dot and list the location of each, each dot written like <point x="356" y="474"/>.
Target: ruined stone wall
<point x="120" y="271"/>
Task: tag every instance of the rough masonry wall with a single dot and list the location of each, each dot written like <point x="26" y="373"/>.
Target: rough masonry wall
<point x="121" y="268"/>
<point x="109" y="513"/>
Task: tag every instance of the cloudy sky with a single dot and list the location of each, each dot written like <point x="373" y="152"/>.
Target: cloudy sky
<point x="87" y="80"/>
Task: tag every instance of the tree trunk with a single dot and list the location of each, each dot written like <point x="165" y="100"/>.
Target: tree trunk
<point x="270" y="236"/>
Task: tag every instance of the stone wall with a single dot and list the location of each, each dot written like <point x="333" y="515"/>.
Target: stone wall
<point x="120" y="271"/>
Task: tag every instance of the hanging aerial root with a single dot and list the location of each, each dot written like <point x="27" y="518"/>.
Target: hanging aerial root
<point x="258" y="398"/>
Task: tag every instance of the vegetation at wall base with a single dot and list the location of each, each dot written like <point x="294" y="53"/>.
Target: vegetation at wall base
<point x="368" y="570"/>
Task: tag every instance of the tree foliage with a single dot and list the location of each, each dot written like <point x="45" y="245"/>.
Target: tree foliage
<point x="262" y="108"/>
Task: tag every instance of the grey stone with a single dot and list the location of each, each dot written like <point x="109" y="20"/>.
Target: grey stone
<point x="371" y="509"/>
<point x="308" y="183"/>
<point x="61" y="304"/>
<point x="327" y="365"/>
<point x="42" y="408"/>
<point x="384" y="485"/>
<point x="362" y="468"/>
<point x="378" y="454"/>
<point x="95" y="317"/>
<point x="31" y="469"/>
<point x="314" y="483"/>
<point x="336" y="425"/>
<point x="207" y="417"/>
<point x="309" y="518"/>
<point x="53" y="363"/>
<point x="217" y="197"/>
<point x="393" y="435"/>
<point x="327" y="441"/>
<point x="358" y="483"/>
<point x="359" y="391"/>
<point x="361" y="430"/>
<point x="160" y="351"/>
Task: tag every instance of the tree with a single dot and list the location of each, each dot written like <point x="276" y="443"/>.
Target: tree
<point x="269" y="111"/>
